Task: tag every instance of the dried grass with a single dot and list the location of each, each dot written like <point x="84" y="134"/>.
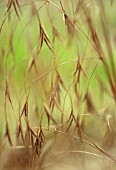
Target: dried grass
<point x="63" y="111"/>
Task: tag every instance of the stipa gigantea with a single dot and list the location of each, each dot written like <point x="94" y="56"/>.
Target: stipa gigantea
<point x="99" y="48"/>
<point x="79" y="70"/>
<point x="71" y="120"/>
<point x="25" y="109"/>
<point x="56" y="34"/>
<point x="7" y="95"/>
<point x="49" y="116"/>
<point x="56" y="90"/>
<point x="8" y="135"/>
<point x="9" y="10"/>
<point x="39" y="140"/>
<point x="32" y="63"/>
<point x="20" y="132"/>
<point x="36" y="139"/>
<point x="15" y="5"/>
<point x="70" y="24"/>
<point x="44" y="38"/>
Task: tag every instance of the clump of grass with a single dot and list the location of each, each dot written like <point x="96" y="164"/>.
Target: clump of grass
<point x="58" y="84"/>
